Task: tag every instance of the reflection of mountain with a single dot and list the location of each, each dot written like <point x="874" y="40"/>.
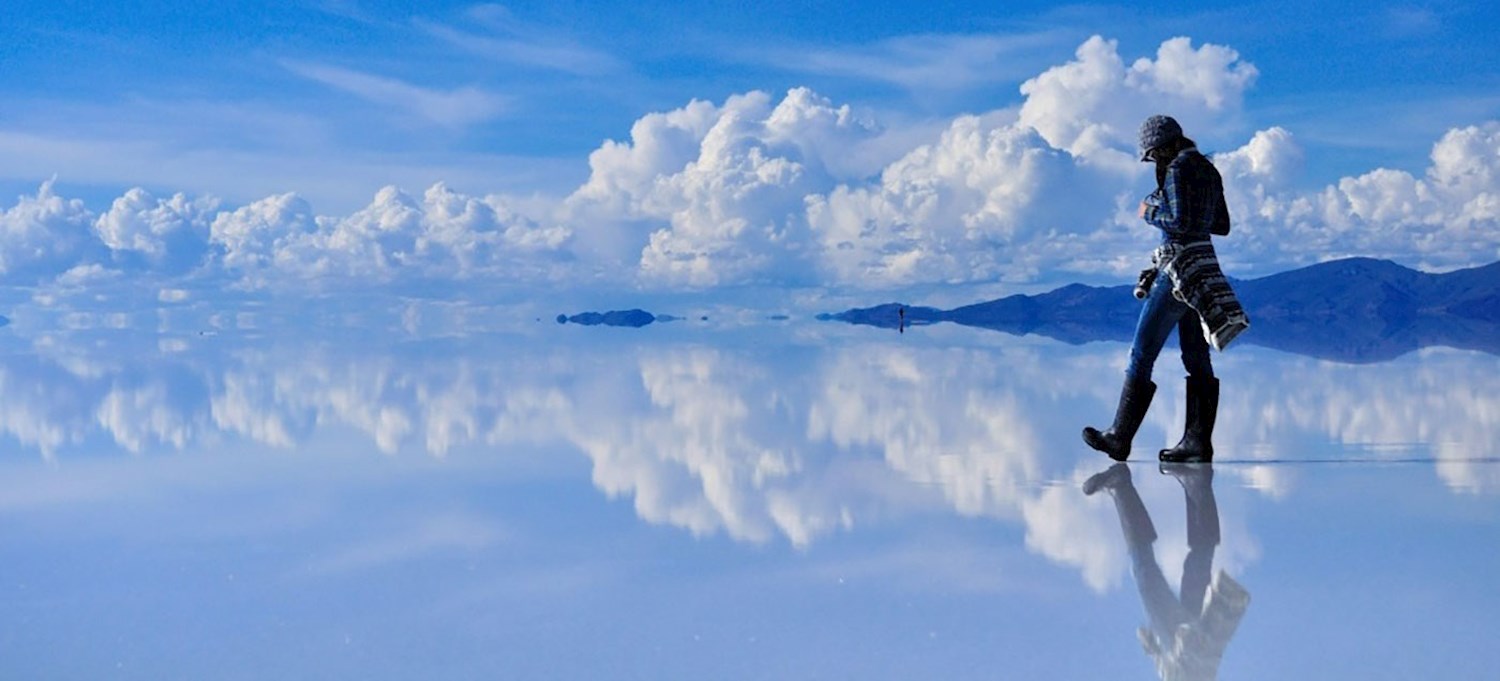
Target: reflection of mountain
<point x="1352" y="310"/>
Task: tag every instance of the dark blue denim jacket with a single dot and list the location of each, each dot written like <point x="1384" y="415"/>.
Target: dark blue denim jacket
<point x="1190" y="203"/>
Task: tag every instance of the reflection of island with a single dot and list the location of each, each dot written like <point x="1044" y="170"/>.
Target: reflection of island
<point x="629" y="318"/>
<point x="1353" y="310"/>
<point x="1188" y="631"/>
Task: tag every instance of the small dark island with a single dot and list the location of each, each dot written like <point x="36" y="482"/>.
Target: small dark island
<point x="629" y="318"/>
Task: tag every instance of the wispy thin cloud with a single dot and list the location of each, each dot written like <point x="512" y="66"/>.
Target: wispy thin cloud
<point x="923" y="62"/>
<point x="1411" y="22"/>
<point x="444" y="533"/>
<point x="457" y="108"/>
<point x="334" y="178"/>
<point x="350" y="10"/>
<point x="506" y="39"/>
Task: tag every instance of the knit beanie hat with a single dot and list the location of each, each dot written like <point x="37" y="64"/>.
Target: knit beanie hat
<point x="1156" y="131"/>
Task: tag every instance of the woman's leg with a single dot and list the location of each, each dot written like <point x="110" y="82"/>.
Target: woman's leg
<point x="1195" y="356"/>
<point x="1196" y="444"/>
<point x="1159" y="314"/>
<point x="1151" y="331"/>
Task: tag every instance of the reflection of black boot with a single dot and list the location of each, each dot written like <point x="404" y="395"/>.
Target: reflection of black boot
<point x="1197" y="444"/>
<point x="1135" y="399"/>
<point x="1109" y="478"/>
<point x="1202" y="508"/>
<point x="1134" y="520"/>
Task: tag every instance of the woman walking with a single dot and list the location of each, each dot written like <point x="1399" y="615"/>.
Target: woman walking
<point x="1187" y="206"/>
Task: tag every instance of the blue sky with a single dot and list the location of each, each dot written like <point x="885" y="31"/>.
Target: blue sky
<point x="240" y="101"/>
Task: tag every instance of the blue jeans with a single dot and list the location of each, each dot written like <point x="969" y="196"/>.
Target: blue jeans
<point x="1160" y="313"/>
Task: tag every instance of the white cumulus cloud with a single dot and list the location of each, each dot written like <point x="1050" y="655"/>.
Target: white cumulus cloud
<point x="1095" y="102"/>
<point x="171" y="234"/>
<point x="443" y="234"/>
<point x="45" y="235"/>
<point x="251" y="237"/>
<point x="802" y="190"/>
<point x="1444" y="219"/>
<point x="749" y="191"/>
<point x="983" y="203"/>
<point x="717" y="191"/>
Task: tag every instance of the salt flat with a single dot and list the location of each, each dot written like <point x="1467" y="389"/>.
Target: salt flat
<point x="697" y="500"/>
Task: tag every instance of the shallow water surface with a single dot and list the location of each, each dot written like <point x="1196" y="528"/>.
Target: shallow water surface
<point x="793" y="500"/>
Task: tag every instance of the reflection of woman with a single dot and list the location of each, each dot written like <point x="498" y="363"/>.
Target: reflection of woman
<point x="1187" y="206"/>
<point x="1188" y="631"/>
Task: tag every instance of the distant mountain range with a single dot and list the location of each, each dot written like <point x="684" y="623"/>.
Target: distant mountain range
<point x="1351" y="310"/>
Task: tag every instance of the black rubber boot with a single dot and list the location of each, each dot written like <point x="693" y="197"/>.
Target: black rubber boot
<point x="1135" y="399"/>
<point x="1197" y="444"/>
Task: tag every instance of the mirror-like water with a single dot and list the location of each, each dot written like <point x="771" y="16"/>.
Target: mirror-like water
<point x="793" y="500"/>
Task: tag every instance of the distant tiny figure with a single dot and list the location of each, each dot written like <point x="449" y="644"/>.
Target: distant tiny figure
<point x="901" y="319"/>
<point x="1194" y="297"/>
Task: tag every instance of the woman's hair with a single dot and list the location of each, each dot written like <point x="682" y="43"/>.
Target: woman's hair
<point x="1168" y="152"/>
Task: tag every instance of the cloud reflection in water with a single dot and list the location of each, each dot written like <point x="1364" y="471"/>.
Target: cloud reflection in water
<point x="789" y="441"/>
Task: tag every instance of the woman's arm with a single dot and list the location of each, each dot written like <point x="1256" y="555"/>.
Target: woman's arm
<point x="1164" y="206"/>
<point x="1220" y="227"/>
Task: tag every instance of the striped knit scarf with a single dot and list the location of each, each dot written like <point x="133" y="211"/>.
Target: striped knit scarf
<point x="1198" y="282"/>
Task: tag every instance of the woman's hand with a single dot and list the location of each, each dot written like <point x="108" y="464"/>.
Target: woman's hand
<point x="1153" y="200"/>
